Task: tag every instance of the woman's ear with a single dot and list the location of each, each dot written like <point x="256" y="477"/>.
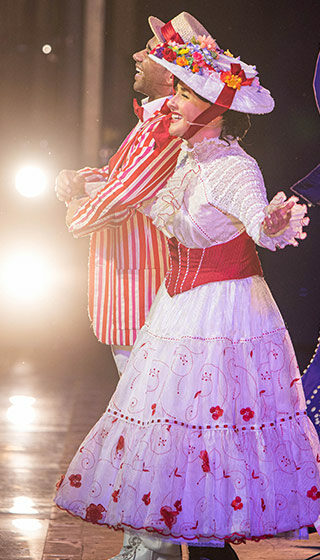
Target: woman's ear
<point x="217" y="121"/>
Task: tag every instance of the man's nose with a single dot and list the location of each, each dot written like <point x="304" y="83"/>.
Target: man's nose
<point x="139" y="56"/>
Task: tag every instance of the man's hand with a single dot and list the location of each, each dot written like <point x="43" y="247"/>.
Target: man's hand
<point x="69" y="185"/>
<point x="73" y="207"/>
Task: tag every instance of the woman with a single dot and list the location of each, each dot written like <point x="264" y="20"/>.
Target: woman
<point x="206" y="439"/>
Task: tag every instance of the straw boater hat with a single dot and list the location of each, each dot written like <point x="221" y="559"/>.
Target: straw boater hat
<point x="227" y="82"/>
<point x="181" y="28"/>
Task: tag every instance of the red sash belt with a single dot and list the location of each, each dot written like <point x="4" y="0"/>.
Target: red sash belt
<point x="193" y="267"/>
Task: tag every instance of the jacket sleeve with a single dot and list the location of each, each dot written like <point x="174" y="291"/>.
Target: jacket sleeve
<point x="145" y="171"/>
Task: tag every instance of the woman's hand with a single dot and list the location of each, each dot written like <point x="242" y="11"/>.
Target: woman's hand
<point x="279" y="214"/>
<point x="278" y="219"/>
<point x="73" y="207"/>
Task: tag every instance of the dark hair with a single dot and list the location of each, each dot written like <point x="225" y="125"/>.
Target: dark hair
<point x="235" y="125"/>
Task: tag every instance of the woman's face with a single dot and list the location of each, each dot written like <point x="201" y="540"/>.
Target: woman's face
<point x="185" y="106"/>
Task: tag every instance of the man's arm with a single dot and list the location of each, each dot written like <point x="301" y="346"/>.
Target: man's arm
<point x="145" y="171"/>
<point x="71" y="184"/>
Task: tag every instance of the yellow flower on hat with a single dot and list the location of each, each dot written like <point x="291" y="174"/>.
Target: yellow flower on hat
<point x="182" y="61"/>
<point x="232" y="80"/>
<point x="184" y="51"/>
<point x="228" y="53"/>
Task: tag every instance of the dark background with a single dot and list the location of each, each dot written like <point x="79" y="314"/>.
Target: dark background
<point x="40" y="120"/>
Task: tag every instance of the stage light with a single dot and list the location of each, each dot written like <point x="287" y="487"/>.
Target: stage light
<point x="21" y="414"/>
<point x="46" y="49"/>
<point x="25" y="277"/>
<point x="30" y="181"/>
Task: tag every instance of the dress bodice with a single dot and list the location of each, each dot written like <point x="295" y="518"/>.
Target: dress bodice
<point x="216" y="192"/>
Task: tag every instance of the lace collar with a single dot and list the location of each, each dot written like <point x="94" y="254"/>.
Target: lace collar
<point x="208" y="147"/>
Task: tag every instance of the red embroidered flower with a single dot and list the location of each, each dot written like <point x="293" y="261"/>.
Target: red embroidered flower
<point x="75" y="480"/>
<point x="169" y="516"/>
<point x="60" y="481"/>
<point x="247" y="414"/>
<point x="94" y="513"/>
<point x="115" y="495"/>
<point x="205" y="461"/>
<point x="146" y="498"/>
<point x="237" y="503"/>
<point x="120" y="444"/>
<point x="153" y="408"/>
<point x="178" y="505"/>
<point x="216" y="412"/>
<point x="169" y="54"/>
<point x="313" y="493"/>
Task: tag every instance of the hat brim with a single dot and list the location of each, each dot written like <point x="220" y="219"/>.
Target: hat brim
<point x="155" y="25"/>
<point x="253" y="99"/>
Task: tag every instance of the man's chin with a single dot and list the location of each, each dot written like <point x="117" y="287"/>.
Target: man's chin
<point x="138" y="85"/>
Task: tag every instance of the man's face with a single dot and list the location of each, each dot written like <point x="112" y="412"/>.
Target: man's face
<point x="151" y="78"/>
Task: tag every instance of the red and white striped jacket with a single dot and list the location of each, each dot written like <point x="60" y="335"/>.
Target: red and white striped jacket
<point x="127" y="263"/>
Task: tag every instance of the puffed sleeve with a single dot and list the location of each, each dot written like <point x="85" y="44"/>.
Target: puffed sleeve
<point x="241" y="192"/>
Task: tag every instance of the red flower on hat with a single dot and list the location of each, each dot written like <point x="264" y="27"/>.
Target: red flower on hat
<point x="169" y="55"/>
<point x="146" y="498"/>
<point x="198" y="58"/>
<point x="313" y="493"/>
<point x="247" y="414"/>
<point x="237" y="503"/>
<point x="75" y="480"/>
<point x="216" y="412"/>
<point x="94" y="513"/>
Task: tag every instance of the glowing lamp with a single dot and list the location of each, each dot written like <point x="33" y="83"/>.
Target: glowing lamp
<point x="46" y="49"/>
<point x="30" y="181"/>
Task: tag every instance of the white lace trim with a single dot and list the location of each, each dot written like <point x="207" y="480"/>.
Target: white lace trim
<point x="233" y="183"/>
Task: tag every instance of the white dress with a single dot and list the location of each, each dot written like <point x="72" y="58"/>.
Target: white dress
<point x="206" y="437"/>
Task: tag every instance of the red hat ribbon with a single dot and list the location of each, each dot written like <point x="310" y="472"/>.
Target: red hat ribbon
<point x="170" y="34"/>
<point x="222" y="103"/>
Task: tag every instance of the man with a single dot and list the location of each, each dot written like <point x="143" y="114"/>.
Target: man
<point x="127" y="263"/>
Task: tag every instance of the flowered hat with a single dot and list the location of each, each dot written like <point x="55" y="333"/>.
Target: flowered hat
<point x="215" y="74"/>
<point x="180" y="29"/>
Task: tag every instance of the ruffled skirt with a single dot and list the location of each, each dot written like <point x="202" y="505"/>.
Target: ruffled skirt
<point x="206" y="437"/>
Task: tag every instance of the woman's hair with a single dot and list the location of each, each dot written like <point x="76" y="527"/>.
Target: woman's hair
<point x="235" y="125"/>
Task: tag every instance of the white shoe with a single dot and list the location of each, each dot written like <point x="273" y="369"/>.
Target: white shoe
<point x="129" y="547"/>
<point x="147" y="548"/>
